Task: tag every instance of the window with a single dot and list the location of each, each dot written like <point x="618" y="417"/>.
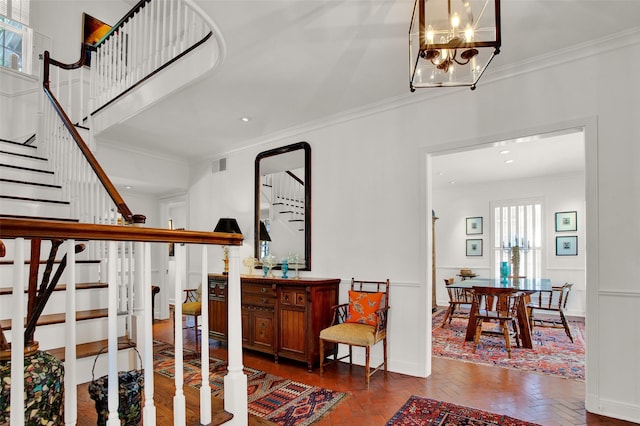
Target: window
<point x="518" y="222"/>
<point x="16" y="37"/>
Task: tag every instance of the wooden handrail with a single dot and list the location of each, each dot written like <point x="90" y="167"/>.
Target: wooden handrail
<point x="121" y="22"/>
<point x="48" y="229"/>
<point x="123" y="209"/>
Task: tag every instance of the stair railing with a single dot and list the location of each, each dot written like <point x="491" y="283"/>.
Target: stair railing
<point x="25" y="231"/>
<point x="150" y="37"/>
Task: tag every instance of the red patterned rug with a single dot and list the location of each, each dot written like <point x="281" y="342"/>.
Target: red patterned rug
<point x="279" y="400"/>
<point x="552" y="353"/>
<point x="424" y="411"/>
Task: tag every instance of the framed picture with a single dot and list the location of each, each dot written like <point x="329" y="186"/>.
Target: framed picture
<point x="474" y="225"/>
<point x="567" y="246"/>
<point x="474" y="247"/>
<point x="566" y="221"/>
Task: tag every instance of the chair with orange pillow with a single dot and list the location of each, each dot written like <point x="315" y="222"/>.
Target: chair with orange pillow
<point x="361" y="322"/>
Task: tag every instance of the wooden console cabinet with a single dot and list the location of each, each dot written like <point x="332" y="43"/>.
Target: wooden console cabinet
<point x="282" y="317"/>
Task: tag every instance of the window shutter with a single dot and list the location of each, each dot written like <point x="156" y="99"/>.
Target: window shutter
<point x="4" y="7"/>
<point x="17" y="10"/>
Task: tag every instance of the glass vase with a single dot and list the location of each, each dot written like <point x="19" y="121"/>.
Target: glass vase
<point x="504" y="272"/>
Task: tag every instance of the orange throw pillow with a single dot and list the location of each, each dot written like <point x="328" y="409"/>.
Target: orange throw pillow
<point x="363" y="307"/>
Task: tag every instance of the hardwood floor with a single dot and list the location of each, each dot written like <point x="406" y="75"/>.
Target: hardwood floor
<point x="542" y="399"/>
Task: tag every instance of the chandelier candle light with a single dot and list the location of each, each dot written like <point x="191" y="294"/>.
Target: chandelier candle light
<point x="451" y="42"/>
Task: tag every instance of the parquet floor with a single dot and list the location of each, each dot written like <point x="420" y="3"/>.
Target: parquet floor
<point x="533" y="397"/>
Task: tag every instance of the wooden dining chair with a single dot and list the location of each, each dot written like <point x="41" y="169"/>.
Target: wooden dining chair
<point x="192" y="307"/>
<point x="459" y="298"/>
<point x="362" y="322"/>
<point x="552" y="305"/>
<point x="493" y="305"/>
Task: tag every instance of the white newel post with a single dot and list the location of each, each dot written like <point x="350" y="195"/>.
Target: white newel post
<point x="205" y="389"/>
<point x="70" y="376"/>
<point x="149" y="411"/>
<point x="235" y="382"/>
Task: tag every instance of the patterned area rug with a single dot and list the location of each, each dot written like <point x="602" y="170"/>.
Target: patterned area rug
<point x="552" y="353"/>
<point x="424" y="411"/>
<point x="274" y="398"/>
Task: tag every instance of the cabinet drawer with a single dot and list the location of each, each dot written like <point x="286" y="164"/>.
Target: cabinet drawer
<point x="293" y="298"/>
<point x="258" y="300"/>
<point x="257" y="289"/>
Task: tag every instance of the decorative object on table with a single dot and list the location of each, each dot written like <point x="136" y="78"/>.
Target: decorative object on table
<point x="474" y="247"/>
<point x="504" y="272"/>
<point x="268" y="263"/>
<point x="294" y="260"/>
<point x="285" y="268"/>
<point x="426" y="411"/>
<point x="567" y="246"/>
<point x="474" y="225"/>
<point x="451" y="43"/>
<point x="553" y="353"/>
<point x="43" y="390"/>
<point x="566" y="221"/>
<point x="515" y="249"/>
<point x="130" y="386"/>
<point x="229" y="226"/>
<point x="250" y="263"/>
<point x="466" y="273"/>
<point x="279" y="400"/>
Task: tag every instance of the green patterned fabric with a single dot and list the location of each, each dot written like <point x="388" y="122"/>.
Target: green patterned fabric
<point x="43" y="389"/>
<point x="130" y="385"/>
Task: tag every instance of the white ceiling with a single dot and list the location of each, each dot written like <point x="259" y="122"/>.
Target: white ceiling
<point x="526" y="158"/>
<point x="292" y="64"/>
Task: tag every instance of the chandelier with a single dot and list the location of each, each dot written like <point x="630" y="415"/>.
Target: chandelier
<point x="451" y="42"/>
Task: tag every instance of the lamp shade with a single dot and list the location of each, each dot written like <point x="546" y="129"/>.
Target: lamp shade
<point x="451" y="42"/>
<point x="264" y="235"/>
<point x="228" y="225"/>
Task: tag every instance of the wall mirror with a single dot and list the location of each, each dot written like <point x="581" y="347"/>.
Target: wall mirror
<point x="282" y="225"/>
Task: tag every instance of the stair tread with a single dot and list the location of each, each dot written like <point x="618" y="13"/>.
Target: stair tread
<point x="30" y="169"/>
<point x="17" y="154"/>
<point x="59" y="318"/>
<point x="39" y="200"/>
<point x="17" y="143"/>
<point x="24" y="182"/>
<point x="88" y="349"/>
<point x="62" y="287"/>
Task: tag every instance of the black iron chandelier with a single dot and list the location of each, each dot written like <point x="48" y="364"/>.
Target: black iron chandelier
<point x="451" y="42"/>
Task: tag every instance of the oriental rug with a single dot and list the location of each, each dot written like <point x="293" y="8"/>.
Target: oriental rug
<point x="279" y="400"/>
<point x="425" y="411"/>
<point x="552" y="353"/>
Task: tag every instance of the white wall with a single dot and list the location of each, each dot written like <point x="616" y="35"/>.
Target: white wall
<point x="373" y="168"/>
<point x="559" y="193"/>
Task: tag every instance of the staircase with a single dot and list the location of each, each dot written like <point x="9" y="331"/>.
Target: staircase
<point x="28" y="191"/>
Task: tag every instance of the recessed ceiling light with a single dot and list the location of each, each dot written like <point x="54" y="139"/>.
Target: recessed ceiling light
<point x="508" y="161"/>
<point x="504" y="151"/>
<point x="128" y="187"/>
<point x="245" y="119"/>
<point x="442" y="173"/>
<point x="452" y="182"/>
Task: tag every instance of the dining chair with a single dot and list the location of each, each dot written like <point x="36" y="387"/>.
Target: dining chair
<point x="553" y="305"/>
<point x="493" y="305"/>
<point x="362" y="322"/>
<point x="192" y="307"/>
<point x="458" y="298"/>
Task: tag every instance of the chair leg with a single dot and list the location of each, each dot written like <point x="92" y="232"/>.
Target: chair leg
<point x="565" y="323"/>
<point x="366" y="367"/>
<point x="507" y="340"/>
<point x="384" y="348"/>
<point x="476" y="337"/>
<point x="321" y="356"/>
<point x="516" y="332"/>
<point x="350" y="355"/>
<point x="447" y="314"/>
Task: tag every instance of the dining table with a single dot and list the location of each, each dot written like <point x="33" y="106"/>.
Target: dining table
<point x="527" y="286"/>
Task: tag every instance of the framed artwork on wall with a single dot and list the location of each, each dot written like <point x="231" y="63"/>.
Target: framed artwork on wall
<point x="567" y="246"/>
<point x="566" y="221"/>
<point x="474" y="247"/>
<point x="474" y="225"/>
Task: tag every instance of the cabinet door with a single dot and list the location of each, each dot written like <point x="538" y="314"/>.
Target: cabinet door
<point x="262" y="323"/>
<point x="246" y="328"/>
<point x="218" y="318"/>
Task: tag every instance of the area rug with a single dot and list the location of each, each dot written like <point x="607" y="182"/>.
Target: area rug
<point x="552" y="353"/>
<point x="425" y="411"/>
<point x="281" y="401"/>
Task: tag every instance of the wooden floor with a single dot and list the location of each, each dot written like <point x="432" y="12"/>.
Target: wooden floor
<point x="533" y="397"/>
